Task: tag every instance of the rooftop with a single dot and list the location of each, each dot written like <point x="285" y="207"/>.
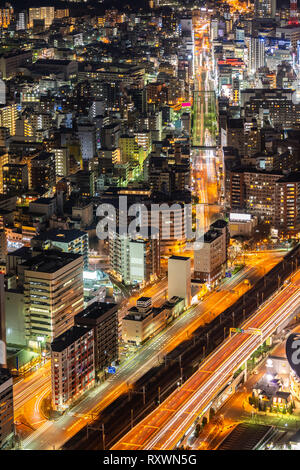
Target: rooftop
<point x="69" y="337"/>
<point x="96" y="310"/>
<point x="50" y="261"/>
<point x="60" y="235"/>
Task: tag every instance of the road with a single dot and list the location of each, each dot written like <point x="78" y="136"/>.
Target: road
<point x="166" y="425"/>
<point x="205" y="183"/>
<point x="52" y="434"/>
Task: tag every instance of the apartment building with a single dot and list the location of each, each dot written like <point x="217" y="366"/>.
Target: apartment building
<point x="211" y="256"/>
<point x="134" y="261"/>
<point x="287" y="202"/>
<point x="103" y="319"/>
<point x="72" y="366"/>
<point x="42" y="13"/>
<point x="69" y="241"/>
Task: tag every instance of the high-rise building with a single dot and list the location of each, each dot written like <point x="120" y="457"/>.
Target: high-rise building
<point x="69" y="241"/>
<point x="210" y="258"/>
<point x="43" y="171"/>
<point x="8" y="116"/>
<point x="134" y="261"/>
<point x="3" y="245"/>
<point x="179" y="278"/>
<point x="72" y="366"/>
<point x="287" y="202"/>
<point x="42" y="13"/>
<point x="22" y="21"/>
<point x="15" y="178"/>
<point x="5" y="17"/>
<point x="6" y="407"/>
<point x="2" y="323"/>
<point x="256" y="54"/>
<point x="87" y="138"/>
<point x="53" y="287"/>
<point x="62" y="162"/>
<point x="265" y="8"/>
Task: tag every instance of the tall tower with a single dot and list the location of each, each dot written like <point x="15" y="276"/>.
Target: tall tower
<point x="293" y="12"/>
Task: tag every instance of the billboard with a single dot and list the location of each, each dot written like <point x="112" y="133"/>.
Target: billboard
<point x="292" y="349"/>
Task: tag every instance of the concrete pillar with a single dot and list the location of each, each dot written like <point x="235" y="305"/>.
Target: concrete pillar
<point x="245" y="371"/>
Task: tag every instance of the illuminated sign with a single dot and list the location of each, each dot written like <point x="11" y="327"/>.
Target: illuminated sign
<point x="186" y="105"/>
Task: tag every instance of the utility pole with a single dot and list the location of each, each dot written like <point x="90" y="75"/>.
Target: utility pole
<point x="131" y="420"/>
<point x="103" y="437"/>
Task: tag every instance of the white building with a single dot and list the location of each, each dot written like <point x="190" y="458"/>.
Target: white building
<point x="134" y="261"/>
<point x="179" y="278"/>
<point x="211" y="256"/>
<point x="87" y="138"/>
<point x="256" y="54"/>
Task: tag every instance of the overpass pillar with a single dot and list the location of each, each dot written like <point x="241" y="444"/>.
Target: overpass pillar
<point x="245" y="371"/>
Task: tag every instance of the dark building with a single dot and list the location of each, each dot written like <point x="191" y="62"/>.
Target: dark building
<point x="15" y="178"/>
<point x="6" y="407"/>
<point x="103" y="318"/>
<point x="43" y="171"/>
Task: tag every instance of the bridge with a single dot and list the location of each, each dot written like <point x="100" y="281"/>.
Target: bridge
<point x="167" y="424"/>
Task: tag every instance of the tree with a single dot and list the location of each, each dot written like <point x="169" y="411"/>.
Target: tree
<point x="197" y="429"/>
<point x="204" y="421"/>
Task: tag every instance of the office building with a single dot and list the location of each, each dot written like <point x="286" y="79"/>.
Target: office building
<point x="210" y="258"/>
<point x="134" y="261"/>
<point x="72" y="366"/>
<point x="103" y="319"/>
<point x="144" y="320"/>
<point x="53" y="287"/>
<point x="179" y="278"/>
<point x="256" y="54"/>
<point x="69" y="241"/>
